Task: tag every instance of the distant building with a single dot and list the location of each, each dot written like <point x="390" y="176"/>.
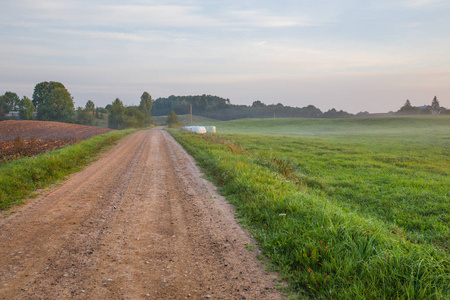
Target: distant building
<point x="14" y="115"/>
<point x="430" y="109"/>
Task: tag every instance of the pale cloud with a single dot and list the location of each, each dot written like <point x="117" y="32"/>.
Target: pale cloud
<point x="263" y="18"/>
<point x="94" y="14"/>
<point x="420" y="3"/>
<point x="158" y="15"/>
<point x="114" y="36"/>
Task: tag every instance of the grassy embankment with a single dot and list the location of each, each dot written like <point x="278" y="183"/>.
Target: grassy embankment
<point x="355" y="208"/>
<point x="19" y="178"/>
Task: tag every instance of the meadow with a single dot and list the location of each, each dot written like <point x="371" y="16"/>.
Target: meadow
<point x="345" y="208"/>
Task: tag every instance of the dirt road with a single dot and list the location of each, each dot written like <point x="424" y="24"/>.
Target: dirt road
<point x="140" y="223"/>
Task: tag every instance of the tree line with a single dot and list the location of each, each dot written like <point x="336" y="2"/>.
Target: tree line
<point x="51" y="101"/>
<point x="121" y="117"/>
<point x="215" y="107"/>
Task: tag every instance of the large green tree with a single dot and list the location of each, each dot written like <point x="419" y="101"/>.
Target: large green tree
<point x="145" y="106"/>
<point x="26" y="109"/>
<point x="57" y="106"/>
<point x="116" y="119"/>
<point x="12" y="100"/>
<point x="43" y="89"/>
<point x="90" y="105"/>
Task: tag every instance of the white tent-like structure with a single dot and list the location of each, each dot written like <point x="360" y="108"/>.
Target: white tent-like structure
<point x="210" y="129"/>
<point x="196" y="129"/>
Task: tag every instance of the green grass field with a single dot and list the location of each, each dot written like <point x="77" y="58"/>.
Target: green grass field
<point x="349" y="208"/>
<point x="186" y="120"/>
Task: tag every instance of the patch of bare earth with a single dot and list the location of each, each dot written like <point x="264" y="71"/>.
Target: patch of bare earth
<point x="10" y="150"/>
<point x="44" y="130"/>
<point x="140" y="223"/>
<point x="28" y="138"/>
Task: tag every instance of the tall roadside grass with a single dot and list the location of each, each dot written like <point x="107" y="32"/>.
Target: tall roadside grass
<point x="19" y="178"/>
<point x="324" y="250"/>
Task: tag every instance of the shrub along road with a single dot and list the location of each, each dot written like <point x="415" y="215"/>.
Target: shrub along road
<point x="138" y="223"/>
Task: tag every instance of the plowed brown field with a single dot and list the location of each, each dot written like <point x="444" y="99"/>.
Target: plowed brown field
<point x="44" y="130"/>
<point x="28" y="138"/>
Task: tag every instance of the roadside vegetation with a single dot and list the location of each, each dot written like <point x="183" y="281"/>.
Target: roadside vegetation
<point x="172" y="120"/>
<point x="355" y="208"/>
<point x="20" y="178"/>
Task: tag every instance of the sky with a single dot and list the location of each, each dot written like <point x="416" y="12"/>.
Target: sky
<point x="344" y="54"/>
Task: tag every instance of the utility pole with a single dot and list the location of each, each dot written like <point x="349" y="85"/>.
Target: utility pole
<point x="191" y="114"/>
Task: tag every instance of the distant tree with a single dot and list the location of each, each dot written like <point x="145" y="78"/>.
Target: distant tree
<point x="408" y="109"/>
<point x="181" y="104"/>
<point x="108" y="107"/>
<point x="57" y="106"/>
<point x="258" y="103"/>
<point x="117" y="115"/>
<point x="333" y="113"/>
<point x="310" y="111"/>
<point x="182" y="108"/>
<point x="134" y="118"/>
<point x="26" y="109"/>
<point x="100" y="111"/>
<point x="12" y="100"/>
<point x="172" y="120"/>
<point x="200" y="103"/>
<point x="145" y="106"/>
<point x="43" y="89"/>
<point x="90" y="106"/>
<point x="84" y="116"/>
<point x="435" y="107"/>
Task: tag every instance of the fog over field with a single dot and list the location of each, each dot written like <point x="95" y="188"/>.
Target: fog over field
<point x="356" y="56"/>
